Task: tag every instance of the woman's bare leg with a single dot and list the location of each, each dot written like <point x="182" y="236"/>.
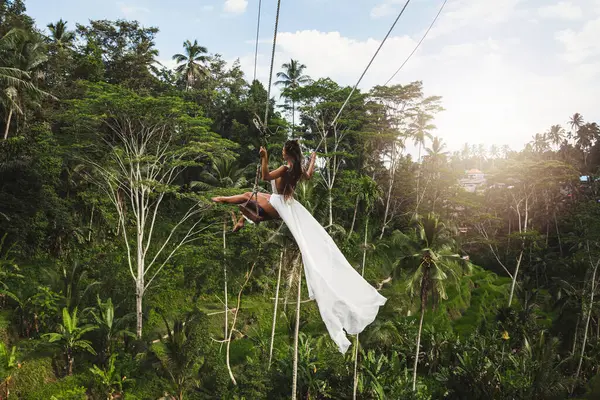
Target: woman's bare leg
<point x="263" y="201"/>
<point x="240" y="224"/>
<point x="237" y="199"/>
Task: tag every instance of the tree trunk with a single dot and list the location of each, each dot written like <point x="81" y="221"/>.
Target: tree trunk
<point x="418" y="179"/>
<point x="275" y="308"/>
<point x="416" y="363"/>
<point x="514" y="280"/>
<point x="558" y="235"/>
<point x="10" y="113"/>
<point x="139" y="294"/>
<point x="575" y="337"/>
<point x="91" y="221"/>
<point x="293" y="116"/>
<point x="330" y="209"/>
<point x="140" y="282"/>
<point x="357" y="344"/>
<point x="296" y="333"/>
<point x="587" y="323"/>
<point x="389" y="194"/>
<point x="354" y="217"/>
<point x="70" y="361"/>
<point x="225" y="275"/>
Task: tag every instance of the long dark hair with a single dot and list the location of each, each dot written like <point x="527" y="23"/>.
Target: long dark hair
<point x="293" y="174"/>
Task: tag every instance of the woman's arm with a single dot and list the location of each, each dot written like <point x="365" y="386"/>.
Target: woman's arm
<point x="264" y="163"/>
<point x="311" y="166"/>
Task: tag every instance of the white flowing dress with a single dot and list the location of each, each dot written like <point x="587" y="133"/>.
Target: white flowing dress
<point x="346" y="301"/>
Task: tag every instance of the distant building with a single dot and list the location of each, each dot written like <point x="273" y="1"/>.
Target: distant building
<point x="473" y="181"/>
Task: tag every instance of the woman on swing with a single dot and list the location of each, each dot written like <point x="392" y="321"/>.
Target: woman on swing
<point x="346" y="301"/>
<point x="283" y="180"/>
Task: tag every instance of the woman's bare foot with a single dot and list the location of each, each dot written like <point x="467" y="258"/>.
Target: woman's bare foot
<point x="217" y="199"/>
<point x="240" y="224"/>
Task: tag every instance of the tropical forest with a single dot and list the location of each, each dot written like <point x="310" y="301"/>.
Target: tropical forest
<point x="121" y="279"/>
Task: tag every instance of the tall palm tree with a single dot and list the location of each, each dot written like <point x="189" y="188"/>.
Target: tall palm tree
<point x="420" y="131"/>
<point x="576" y="122"/>
<point x="10" y="75"/>
<point x="432" y="267"/>
<point x="22" y="55"/>
<point x="587" y="135"/>
<point x="60" y="36"/>
<point x="366" y="190"/>
<point x="539" y="143"/>
<point x="506" y="150"/>
<point x="192" y="63"/>
<point x="556" y="135"/>
<point x="292" y="78"/>
<point x="436" y="151"/>
<point x="370" y="193"/>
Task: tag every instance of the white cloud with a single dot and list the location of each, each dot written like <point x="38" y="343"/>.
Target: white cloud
<point x="382" y="10"/>
<point x="235" y="6"/>
<point x="130" y="10"/>
<point x="460" y="14"/>
<point x="581" y="45"/>
<point x="561" y="10"/>
<point x="491" y="95"/>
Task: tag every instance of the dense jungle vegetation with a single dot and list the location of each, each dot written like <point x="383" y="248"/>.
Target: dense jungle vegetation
<point x="120" y="279"/>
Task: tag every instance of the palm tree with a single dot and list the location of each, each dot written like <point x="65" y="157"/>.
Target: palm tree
<point x="69" y="281"/>
<point x="179" y="354"/>
<point x="539" y="143"/>
<point x="576" y="122"/>
<point x="224" y="173"/>
<point x="587" y="135"/>
<point x="506" y="151"/>
<point x="366" y="189"/>
<point x="369" y="193"/>
<point x="9" y="74"/>
<point x="191" y="64"/>
<point x="430" y="267"/>
<point x="556" y="135"/>
<point x="420" y="131"/>
<point x="436" y="151"/>
<point x="70" y="335"/>
<point x="292" y="78"/>
<point x="60" y="36"/>
<point x="22" y="73"/>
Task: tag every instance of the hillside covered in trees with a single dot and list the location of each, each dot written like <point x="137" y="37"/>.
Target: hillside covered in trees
<point x="120" y="279"/>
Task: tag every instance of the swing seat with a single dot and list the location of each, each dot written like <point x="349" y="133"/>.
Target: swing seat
<point x="254" y="212"/>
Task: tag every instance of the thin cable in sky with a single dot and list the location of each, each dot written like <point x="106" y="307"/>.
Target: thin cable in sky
<point x="418" y="44"/>
<point x="370" y="62"/>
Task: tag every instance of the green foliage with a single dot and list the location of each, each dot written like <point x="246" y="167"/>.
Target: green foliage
<point x="34" y="376"/>
<point x="68" y="388"/>
<point x="80" y="177"/>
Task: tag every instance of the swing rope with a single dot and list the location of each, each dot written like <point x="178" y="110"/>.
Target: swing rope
<point x="262" y="125"/>
<point x="272" y="62"/>
<point x="257" y="33"/>
<point x="369" y="65"/>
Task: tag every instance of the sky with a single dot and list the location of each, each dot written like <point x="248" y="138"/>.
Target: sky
<point x="506" y="69"/>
